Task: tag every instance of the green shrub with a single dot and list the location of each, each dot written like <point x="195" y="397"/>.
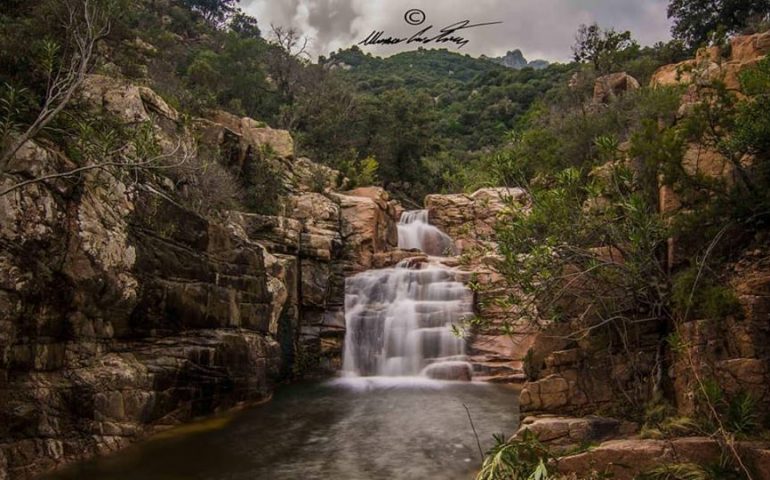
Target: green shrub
<point x="524" y="459"/>
<point x="705" y="299"/>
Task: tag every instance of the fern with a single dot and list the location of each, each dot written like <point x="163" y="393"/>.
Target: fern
<point x="742" y="416"/>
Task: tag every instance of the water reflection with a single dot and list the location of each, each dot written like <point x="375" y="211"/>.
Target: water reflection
<point x="343" y="430"/>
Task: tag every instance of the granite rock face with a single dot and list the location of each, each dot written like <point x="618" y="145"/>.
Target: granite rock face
<point x="609" y="87"/>
<point x="125" y="312"/>
<point x="710" y="64"/>
<point x="734" y="352"/>
<point x="470" y="219"/>
<point x="580" y="376"/>
<point x="122" y="313"/>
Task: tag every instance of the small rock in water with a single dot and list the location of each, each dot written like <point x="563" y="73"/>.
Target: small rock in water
<point x="456" y="371"/>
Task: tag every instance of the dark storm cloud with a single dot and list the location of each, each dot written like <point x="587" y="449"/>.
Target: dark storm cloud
<point x="540" y="28"/>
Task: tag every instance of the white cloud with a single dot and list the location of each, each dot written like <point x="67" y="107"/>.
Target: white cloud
<point x="540" y="28"/>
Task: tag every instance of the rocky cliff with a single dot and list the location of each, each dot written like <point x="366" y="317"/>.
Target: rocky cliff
<point x="594" y="374"/>
<point x="127" y="310"/>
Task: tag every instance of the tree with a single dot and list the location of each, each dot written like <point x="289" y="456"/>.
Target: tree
<point x="215" y="12"/>
<point x="245" y="25"/>
<point x="604" y="49"/>
<point x="698" y="22"/>
<point x="287" y="60"/>
<point x="233" y="76"/>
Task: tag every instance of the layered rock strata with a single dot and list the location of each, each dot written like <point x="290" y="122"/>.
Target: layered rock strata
<point x="124" y="311"/>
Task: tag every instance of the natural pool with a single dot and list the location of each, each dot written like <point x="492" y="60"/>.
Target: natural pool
<point x="358" y="429"/>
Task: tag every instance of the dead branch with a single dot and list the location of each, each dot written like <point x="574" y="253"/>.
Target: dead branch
<point x="291" y="41"/>
<point x="86" y="25"/>
<point x="149" y="164"/>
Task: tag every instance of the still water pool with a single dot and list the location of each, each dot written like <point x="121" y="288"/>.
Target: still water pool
<point x="356" y="429"/>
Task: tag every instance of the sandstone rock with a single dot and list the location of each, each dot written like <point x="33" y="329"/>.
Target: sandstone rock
<point x="392" y="258"/>
<point x="154" y="103"/>
<point x="709" y="66"/>
<point x="758" y="457"/>
<point x="624" y="459"/>
<point x="733" y="351"/>
<point x="313" y="177"/>
<point x="709" y="54"/>
<point x="613" y="85"/>
<point x="701" y="160"/>
<point x="279" y="234"/>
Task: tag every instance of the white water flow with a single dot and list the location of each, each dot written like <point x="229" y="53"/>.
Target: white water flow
<point x="414" y="231"/>
<point x="399" y="320"/>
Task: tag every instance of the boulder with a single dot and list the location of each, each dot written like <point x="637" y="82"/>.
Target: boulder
<point x="674" y="74"/>
<point x="609" y="87"/>
<point x="117" y="97"/>
<point x="256" y="134"/>
<point x="627" y="458"/>
<point x="564" y="433"/>
<point x="451" y="371"/>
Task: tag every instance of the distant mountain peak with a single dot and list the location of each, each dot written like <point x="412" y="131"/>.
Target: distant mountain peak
<point x="515" y="59"/>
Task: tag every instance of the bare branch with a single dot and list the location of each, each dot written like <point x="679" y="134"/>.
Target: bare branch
<point x="87" y="25"/>
<point x="149" y="164"/>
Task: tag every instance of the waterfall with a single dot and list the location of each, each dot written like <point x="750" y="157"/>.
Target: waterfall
<point x="414" y="231"/>
<point x="398" y="320"/>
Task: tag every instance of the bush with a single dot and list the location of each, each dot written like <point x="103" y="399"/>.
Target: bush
<point x="524" y="459"/>
<point x="703" y="297"/>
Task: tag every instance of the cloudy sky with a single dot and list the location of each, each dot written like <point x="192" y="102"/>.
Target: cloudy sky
<point x="540" y="28"/>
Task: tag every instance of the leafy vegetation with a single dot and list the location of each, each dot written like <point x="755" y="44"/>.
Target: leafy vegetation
<point x="592" y="249"/>
<point x="698" y="22"/>
<point x="524" y="459"/>
<point x="606" y="50"/>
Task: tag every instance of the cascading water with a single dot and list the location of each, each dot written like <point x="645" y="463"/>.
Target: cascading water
<point x="399" y="319"/>
<point x="414" y="231"/>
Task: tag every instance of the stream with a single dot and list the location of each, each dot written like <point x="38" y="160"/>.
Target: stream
<point x="348" y="429"/>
